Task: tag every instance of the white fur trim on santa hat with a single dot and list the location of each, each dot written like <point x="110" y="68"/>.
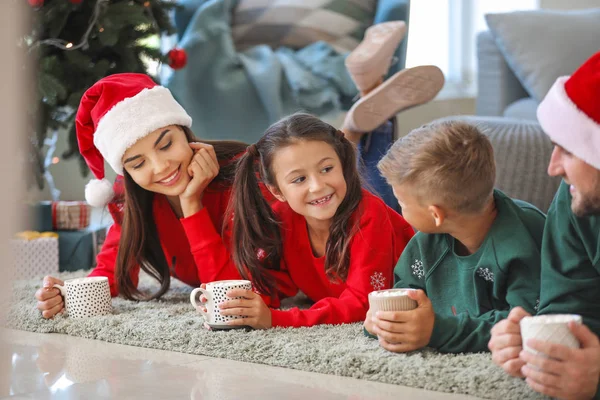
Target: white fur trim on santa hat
<point x="134" y="118"/>
<point x="98" y="192"/>
<point x="568" y="126"/>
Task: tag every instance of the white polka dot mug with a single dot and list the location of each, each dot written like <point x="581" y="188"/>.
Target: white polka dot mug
<point x="86" y="297"/>
<point x="216" y="294"/>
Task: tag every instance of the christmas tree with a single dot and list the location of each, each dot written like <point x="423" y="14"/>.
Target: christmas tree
<point x="73" y="44"/>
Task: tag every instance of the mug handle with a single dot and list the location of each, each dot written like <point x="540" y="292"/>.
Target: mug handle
<point x="200" y="306"/>
<point x="63" y="292"/>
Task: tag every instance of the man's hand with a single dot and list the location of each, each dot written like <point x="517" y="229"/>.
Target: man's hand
<point x="568" y="373"/>
<point x="506" y="344"/>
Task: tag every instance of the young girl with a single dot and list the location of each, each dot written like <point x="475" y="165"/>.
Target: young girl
<point x="336" y="241"/>
<point x="176" y="190"/>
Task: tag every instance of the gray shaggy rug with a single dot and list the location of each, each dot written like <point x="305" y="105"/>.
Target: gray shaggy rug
<point x="172" y="324"/>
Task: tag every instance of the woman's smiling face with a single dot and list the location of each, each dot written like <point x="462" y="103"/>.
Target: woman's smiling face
<point x="158" y="162"/>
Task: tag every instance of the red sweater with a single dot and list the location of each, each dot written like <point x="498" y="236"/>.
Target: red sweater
<point x="200" y="254"/>
<point x="201" y="230"/>
<point x="375" y="249"/>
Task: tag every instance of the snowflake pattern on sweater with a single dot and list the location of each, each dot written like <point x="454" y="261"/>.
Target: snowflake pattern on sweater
<point x="377" y="281"/>
<point x="417" y="269"/>
<point x="486" y="274"/>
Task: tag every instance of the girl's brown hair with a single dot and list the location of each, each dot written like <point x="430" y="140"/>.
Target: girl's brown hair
<point x="139" y="243"/>
<point x="255" y="226"/>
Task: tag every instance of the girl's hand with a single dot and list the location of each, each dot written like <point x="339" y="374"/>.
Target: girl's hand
<point x="251" y="306"/>
<point x="50" y="302"/>
<point x="203" y="168"/>
<point x="203" y="299"/>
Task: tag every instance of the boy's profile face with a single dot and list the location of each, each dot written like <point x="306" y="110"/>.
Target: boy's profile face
<point x="415" y="213"/>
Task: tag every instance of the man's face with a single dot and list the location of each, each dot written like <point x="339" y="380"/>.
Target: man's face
<point x="583" y="178"/>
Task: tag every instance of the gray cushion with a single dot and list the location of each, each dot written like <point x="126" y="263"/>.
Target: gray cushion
<point x="540" y="46"/>
<point x="522" y="109"/>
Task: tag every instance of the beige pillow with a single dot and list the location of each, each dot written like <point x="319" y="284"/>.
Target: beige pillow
<point x="298" y="23"/>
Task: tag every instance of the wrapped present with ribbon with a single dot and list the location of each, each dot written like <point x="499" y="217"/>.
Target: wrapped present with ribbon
<point x="70" y="215"/>
<point x="78" y="249"/>
<point x="39" y="216"/>
<point x="34" y="254"/>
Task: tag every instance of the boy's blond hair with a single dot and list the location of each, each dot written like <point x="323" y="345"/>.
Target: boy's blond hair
<point x="449" y="164"/>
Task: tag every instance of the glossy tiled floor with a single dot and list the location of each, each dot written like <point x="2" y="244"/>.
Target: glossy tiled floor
<point x="41" y="366"/>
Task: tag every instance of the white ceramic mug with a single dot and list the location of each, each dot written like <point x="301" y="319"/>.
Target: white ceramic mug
<point x="86" y="297"/>
<point x="216" y="294"/>
<point x="552" y="328"/>
<point x="391" y="300"/>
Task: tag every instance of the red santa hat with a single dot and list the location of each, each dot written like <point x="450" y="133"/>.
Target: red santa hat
<point x="570" y="112"/>
<point x="114" y="113"/>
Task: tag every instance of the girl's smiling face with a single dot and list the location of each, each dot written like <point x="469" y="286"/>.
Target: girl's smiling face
<point x="310" y="177"/>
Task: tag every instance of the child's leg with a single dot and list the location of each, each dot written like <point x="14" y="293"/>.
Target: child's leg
<point x="372" y="58"/>
<point x="353" y="136"/>
<point x="403" y="90"/>
<point x="380" y="101"/>
<point x="371" y="148"/>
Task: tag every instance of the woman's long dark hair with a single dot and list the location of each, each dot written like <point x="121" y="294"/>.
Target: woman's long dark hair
<point x="257" y="242"/>
<point x="139" y="243"/>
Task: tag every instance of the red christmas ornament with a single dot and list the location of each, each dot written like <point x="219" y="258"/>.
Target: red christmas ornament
<point x="76" y="2"/>
<point x="36" y="3"/>
<point x="177" y="58"/>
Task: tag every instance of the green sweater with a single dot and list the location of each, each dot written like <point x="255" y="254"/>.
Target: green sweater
<point x="571" y="262"/>
<point x="472" y="293"/>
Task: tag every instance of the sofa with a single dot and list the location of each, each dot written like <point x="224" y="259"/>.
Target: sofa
<point x="500" y="93"/>
<point x="519" y="57"/>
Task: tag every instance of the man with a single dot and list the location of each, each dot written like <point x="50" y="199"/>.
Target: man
<point x="570" y="280"/>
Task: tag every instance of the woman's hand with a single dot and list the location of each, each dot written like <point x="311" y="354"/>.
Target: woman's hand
<point x="250" y="306"/>
<point x="50" y="302"/>
<point x="203" y="168"/>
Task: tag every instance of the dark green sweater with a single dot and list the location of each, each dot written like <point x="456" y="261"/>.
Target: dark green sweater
<point x="472" y="293"/>
<point x="571" y="262"/>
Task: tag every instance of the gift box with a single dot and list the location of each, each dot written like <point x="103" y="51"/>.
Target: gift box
<point x="78" y="249"/>
<point x="40" y="216"/>
<point x="70" y="215"/>
<point x="35" y="254"/>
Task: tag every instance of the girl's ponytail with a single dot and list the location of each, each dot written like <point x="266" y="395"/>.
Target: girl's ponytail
<point x="256" y="236"/>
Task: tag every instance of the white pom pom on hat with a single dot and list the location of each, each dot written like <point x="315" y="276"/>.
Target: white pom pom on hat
<point x="113" y="115"/>
<point x="99" y="192"/>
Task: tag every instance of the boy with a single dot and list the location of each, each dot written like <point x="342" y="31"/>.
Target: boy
<point x="477" y="252"/>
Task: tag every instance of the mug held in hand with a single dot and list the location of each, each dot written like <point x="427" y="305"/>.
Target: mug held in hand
<point x="86" y="297"/>
<point x="216" y="294"/>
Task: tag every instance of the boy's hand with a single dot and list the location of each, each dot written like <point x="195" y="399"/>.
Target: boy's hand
<point x="368" y="324"/>
<point x="404" y="331"/>
<point x="506" y="344"/>
<point x="251" y="306"/>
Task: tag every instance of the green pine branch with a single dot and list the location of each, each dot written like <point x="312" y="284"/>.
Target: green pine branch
<point x="123" y="39"/>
